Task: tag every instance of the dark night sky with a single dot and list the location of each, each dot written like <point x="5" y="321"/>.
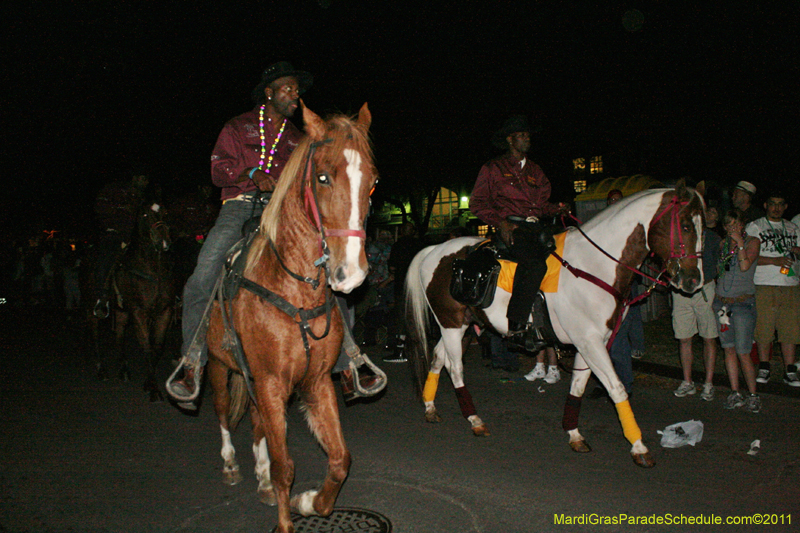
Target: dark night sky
<point x="95" y="88"/>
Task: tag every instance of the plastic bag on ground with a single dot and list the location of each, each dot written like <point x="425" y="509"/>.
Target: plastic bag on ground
<point x="681" y="434"/>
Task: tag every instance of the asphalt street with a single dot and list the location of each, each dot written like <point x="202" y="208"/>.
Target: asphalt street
<point x="80" y="454"/>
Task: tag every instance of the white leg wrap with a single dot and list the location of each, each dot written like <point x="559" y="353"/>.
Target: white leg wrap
<point x="304" y="503"/>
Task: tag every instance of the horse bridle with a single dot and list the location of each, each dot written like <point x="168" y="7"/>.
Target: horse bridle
<point x="675" y="206"/>
<point x="312" y="208"/>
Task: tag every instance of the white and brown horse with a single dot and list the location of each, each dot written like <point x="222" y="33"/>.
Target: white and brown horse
<point x="310" y="242"/>
<point x="583" y="312"/>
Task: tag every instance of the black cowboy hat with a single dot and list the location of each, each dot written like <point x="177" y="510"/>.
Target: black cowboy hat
<point x="284" y="68"/>
<point x="513" y="124"/>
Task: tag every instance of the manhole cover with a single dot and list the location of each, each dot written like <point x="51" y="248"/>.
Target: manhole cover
<point x="345" y="520"/>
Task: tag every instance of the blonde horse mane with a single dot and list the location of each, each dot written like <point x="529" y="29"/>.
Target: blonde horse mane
<point x="343" y="132"/>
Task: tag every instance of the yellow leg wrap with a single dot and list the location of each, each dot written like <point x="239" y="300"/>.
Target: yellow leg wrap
<point x="629" y="426"/>
<point x="431" y="384"/>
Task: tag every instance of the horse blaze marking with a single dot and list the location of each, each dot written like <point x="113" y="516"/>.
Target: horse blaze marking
<point x="354" y="173"/>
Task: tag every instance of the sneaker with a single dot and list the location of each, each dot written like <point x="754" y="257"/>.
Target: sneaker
<point x="791" y="379"/>
<point x="753" y="403"/>
<point x="399" y="356"/>
<point x="708" y="392"/>
<point x="553" y="375"/>
<point x="686" y="388"/>
<point x="637" y="354"/>
<point x="763" y="376"/>
<point x="735" y="399"/>
<point x="537" y="373"/>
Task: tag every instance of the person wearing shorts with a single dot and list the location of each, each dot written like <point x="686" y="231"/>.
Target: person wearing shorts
<point x="777" y="288"/>
<point x="735" y="307"/>
<point x="692" y="314"/>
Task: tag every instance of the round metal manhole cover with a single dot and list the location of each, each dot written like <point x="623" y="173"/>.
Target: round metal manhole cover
<point x="344" y="520"/>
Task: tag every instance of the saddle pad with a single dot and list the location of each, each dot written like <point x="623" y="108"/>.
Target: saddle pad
<point x="550" y="281"/>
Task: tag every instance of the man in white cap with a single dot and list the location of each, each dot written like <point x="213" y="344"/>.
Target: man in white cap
<point x="742" y="199"/>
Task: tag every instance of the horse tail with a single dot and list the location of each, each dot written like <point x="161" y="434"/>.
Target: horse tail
<point x="417" y="318"/>
<point x="240" y="400"/>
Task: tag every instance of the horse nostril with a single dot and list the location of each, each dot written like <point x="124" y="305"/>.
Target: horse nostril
<point x="339" y="274"/>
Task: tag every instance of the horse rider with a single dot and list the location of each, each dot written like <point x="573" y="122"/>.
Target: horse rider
<point x="250" y="153"/>
<point x="116" y="208"/>
<point x="513" y="186"/>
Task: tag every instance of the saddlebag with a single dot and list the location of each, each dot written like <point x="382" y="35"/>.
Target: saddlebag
<point x="475" y="278"/>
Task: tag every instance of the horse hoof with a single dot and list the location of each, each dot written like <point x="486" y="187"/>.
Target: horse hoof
<point x="481" y="431"/>
<point x="433" y="417"/>
<point x="267" y="497"/>
<point x="231" y="477"/>
<point x="645" y="460"/>
<point x="580" y="446"/>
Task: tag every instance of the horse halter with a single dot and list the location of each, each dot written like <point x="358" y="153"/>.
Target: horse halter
<point x="674" y="207"/>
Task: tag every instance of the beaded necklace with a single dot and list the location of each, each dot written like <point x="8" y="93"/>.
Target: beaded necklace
<point x="264" y="142"/>
<point x="727" y="256"/>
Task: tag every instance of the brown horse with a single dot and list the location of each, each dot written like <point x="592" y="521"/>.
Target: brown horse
<point x="310" y="241"/>
<point x="144" y="287"/>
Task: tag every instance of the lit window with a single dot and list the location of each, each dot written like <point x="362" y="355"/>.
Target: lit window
<point x="596" y="165"/>
<point x="579" y="185"/>
<point x="579" y="164"/>
<point x="483" y="230"/>
<point x="445" y="209"/>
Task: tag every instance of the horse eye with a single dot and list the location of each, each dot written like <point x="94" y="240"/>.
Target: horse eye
<point x="324" y="178"/>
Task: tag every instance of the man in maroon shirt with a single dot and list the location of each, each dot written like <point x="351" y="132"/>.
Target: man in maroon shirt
<point x="513" y="186"/>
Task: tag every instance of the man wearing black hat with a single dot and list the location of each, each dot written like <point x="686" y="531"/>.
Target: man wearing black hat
<point x="247" y="160"/>
<point x="513" y="186"/>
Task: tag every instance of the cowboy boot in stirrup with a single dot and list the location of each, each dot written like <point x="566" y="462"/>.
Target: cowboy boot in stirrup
<point x="186" y="389"/>
<point x="521" y="337"/>
<point x="348" y="383"/>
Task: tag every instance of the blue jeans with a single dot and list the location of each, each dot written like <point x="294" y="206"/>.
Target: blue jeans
<point x="739" y="333"/>
<point x="226" y="232"/>
<point x="620" y="352"/>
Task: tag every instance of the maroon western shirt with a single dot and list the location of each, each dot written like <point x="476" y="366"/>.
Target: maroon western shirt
<point x="239" y="147"/>
<point x="504" y="188"/>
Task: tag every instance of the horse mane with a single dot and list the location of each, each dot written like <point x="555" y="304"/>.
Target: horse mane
<point x="343" y="132"/>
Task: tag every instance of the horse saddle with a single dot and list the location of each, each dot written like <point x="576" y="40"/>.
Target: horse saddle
<point x="474" y="278"/>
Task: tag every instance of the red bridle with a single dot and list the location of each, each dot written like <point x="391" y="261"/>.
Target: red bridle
<point x="675" y="205"/>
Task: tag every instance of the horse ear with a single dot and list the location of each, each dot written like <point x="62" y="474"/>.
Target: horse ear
<point x="701" y="188"/>
<point x="680" y="189"/>
<point x="315" y="126"/>
<point x="364" y="117"/>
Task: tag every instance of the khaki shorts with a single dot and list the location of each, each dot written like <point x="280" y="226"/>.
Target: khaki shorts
<point x="777" y="308"/>
<point x="694" y="314"/>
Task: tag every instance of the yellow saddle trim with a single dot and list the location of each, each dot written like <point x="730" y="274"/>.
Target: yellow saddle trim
<point x="550" y="281"/>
